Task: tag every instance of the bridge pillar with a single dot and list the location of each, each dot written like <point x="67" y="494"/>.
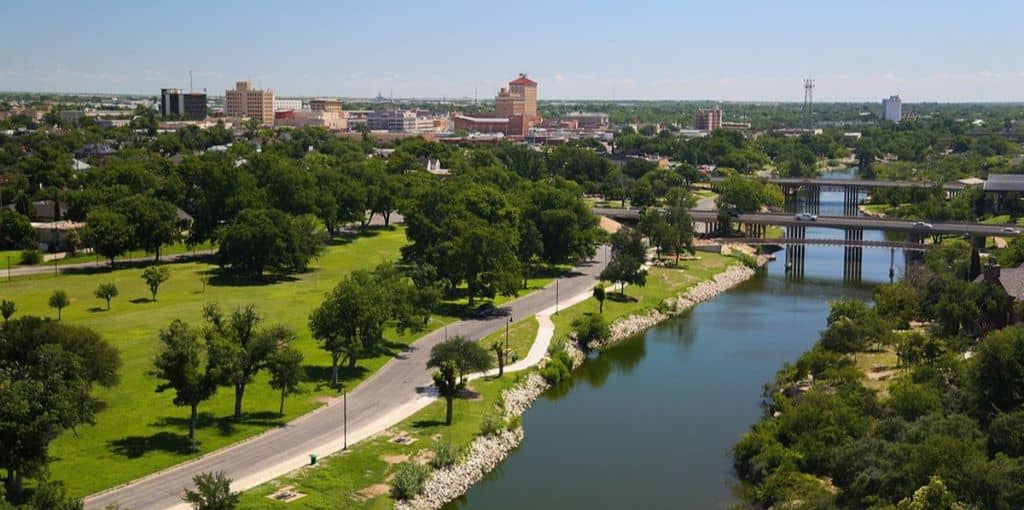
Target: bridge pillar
<point x="978" y="242"/>
<point x="912" y="256"/>
<point x="795" y="252"/>
<point x="851" y="200"/>
<point x="813" y="198"/>
<point x="853" y="256"/>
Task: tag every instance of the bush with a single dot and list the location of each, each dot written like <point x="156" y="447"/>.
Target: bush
<point x="409" y="481"/>
<point x="590" y="328"/>
<point x="31" y="257"/>
<point x="558" y="368"/>
<point x="445" y="455"/>
<point x="745" y="259"/>
<point x="492" y="424"/>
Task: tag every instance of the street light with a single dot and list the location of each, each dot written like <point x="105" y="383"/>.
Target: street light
<point x="507" y="324"/>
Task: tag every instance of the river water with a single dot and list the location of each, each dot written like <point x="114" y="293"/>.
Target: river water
<point x="649" y="423"/>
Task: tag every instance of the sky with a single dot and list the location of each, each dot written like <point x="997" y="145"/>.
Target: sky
<point x="725" y="50"/>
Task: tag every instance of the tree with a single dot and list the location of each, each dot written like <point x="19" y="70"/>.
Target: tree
<point x="599" y="295"/>
<point x="213" y="492"/>
<point x="154" y="276"/>
<point x="47" y="371"/>
<point x="154" y="222"/>
<point x="183" y="364"/>
<point x="499" y="353"/>
<point x="15" y="230"/>
<point x="998" y="373"/>
<point x="261" y="239"/>
<point x="448" y="386"/>
<point x="59" y="300"/>
<point x="238" y="349"/>
<point x="106" y="292"/>
<point x="7" y="309"/>
<point x="285" y="367"/>
<point x="466" y="355"/>
<point x="350" y="320"/>
<point x="899" y="302"/>
<point x="590" y="328"/>
<point x="108" y="232"/>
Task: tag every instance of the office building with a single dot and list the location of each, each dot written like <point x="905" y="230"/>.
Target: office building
<point x="707" y="119"/>
<point x="892" y="109"/>
<point x="334" y="121"/>
<point x="281" y="105"/>
<point x="400" y="121"/>
<point x="515" y="111"/>
<point x="325" y="105"/>
<point x="183" y="105"/>
<point x="245" y="101"/>
<point x="586" y="120"/>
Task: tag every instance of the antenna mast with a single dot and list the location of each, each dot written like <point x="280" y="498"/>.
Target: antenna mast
<point x="808" y="101"/>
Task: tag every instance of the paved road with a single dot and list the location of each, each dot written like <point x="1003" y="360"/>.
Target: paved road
<point x="840" y="222"/>
<point x="853" y="183"/>
<point x="396" y="386"/>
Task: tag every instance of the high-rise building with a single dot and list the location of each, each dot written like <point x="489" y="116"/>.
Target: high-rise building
<point x="707" y="120"/>
<point x="184" y="105"/>
<point x="892" y="109"/>
<point x="244" y="101"/>
<point x="520" y="98"/>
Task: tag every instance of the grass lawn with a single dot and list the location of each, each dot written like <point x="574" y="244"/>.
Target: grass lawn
<point x="140" y="431"/>
<point x="521" y="335"/>
<point x="356" y="479"/>
<point x="662" y="283"/>
<point x="879" y="368"/>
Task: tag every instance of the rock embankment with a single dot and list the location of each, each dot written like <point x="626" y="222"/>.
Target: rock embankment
<point x="628" y="326"/>
<point x="485" y="452"/>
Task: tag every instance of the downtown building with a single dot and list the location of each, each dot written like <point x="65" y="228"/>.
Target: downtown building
<point x="244" y="101"/>
<point x="892" y="109"/>
<point x="515" y="111"/>
<point x="707" y="119"/>
<point x="183" y="105"/>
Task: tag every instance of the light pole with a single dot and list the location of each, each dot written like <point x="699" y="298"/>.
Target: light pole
<point x="556" y="297"/>
<point x="507" y="324"/>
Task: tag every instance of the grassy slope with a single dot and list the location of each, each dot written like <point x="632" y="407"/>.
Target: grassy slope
<point x="343" y="480"/>
<point x="140" y="431"/>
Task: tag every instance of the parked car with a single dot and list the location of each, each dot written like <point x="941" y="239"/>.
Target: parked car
<point x="923" y="225"/>
<point x="1010" y="230"/>
<point x="806" y="216"/>
<point x="484" y="311"/>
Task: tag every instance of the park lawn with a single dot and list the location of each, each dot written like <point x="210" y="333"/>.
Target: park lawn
<point x="662" y="283"/>
<point x="775" y="232"/>
<point x="356" y="479"/>
<point x="521" y="335"/>
<point x="140" y="431"/>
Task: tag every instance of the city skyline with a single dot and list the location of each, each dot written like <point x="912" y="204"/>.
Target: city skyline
<point x="736" y="51"/>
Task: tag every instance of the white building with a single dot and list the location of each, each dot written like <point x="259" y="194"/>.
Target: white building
<point x="283" y="105"/>
<point x="892" y="109"/>
<point x="399" y="121"/>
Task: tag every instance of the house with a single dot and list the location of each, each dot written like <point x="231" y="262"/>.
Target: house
<point x="54" y="236"/>
<point x="1011" y="279"/>
<point x="46" y="210"/>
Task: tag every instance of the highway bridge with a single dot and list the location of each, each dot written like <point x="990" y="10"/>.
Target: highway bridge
<point x="861" y="184"/>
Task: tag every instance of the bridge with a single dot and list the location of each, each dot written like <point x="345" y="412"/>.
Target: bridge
<point x="852" y="189"/>
<point x="755" y="226"/>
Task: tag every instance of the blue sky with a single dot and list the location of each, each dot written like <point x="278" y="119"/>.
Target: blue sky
<point x="967" y="50"/>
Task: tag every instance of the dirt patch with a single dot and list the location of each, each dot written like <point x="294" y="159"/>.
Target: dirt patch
<point x="394" y="459"/>
<point x="286" y="494"/>
<point x="322" y="400"/>
<point x="880" y="373"/>
<point x="609" y="225"/>
<point x="368" y="493"/>
<point x="424" y="456"/>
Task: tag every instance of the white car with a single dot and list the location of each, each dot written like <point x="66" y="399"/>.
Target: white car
<point x="806" y="216"/>
<point x="1010" y="230"/>
<point x="922" y="225"/>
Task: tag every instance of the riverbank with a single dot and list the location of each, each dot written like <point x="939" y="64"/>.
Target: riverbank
<point x="358" y="478"/>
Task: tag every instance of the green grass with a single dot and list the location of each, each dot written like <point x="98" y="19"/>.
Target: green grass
<point x="140" y="431"/>
<point x="521" y="335"/>
<point x="356" y="479"/>
<point x="344" y="480"/>
<point x="662" y="283"/>
<point x="879" y="368"/>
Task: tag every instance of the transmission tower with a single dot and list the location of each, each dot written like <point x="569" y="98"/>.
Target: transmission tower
<point x="808" y="100"/>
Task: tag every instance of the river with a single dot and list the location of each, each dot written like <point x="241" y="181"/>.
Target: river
<point x="649" y="423"/>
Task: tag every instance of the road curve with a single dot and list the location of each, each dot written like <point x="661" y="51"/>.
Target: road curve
<point x="393" y="391"/>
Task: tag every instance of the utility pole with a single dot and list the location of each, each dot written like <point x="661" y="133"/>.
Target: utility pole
<point x="808" y="101"/>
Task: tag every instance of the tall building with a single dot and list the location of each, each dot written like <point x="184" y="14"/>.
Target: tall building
<point x="520" y="98"/>
<point x="184" y="105"/>
<point x="245" y="101"/>
<point x="707" y="120"/>
<point x="892" y="109"/>
<point x="287" y="104"/>
<point x="400" y="121"/>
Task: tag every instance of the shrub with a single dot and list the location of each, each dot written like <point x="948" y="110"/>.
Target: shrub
<point x="31" y="257"/>
<point x="557" y="369"/>
<point x="409" y="481"/>
<point x="492" y="424"/>
<point x="590" y="328"/>
<point x="745" y="259"/>
<point x="445" y="455"/>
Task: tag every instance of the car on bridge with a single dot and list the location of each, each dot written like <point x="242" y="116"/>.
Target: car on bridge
<point x="923" y="225"/>
<point x="805" y="216"/>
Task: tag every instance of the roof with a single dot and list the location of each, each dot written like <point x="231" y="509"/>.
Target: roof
<point x="1011" y="279"/>
<point x="522" y="80"/>
<point x="1004" y="182"/>
<point x="972" y="181"/>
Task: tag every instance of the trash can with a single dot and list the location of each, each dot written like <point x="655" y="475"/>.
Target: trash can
<point x="312" y="459"/>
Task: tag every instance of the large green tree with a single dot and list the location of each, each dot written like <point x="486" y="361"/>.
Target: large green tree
<point x="108" y="232"/>
<point x="183" y="365"/>
<point x="269" y="239"/>
<point x="350" y="321"/>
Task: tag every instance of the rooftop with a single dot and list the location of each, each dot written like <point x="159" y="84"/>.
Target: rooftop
<point x="1004" y="182"/>
<point x="522" y="80"/>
